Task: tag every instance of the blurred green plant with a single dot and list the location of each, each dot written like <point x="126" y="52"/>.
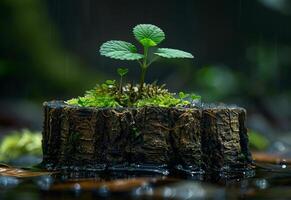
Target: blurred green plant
<point x="149" y="36"/>
<point x="30" y="33"/>
<point x="20" y="143"/>
<point x="258" y="141"/>
<point x="216" y="82"/>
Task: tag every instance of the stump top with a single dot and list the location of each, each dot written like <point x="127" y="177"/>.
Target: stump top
<point x="201" y="106"/>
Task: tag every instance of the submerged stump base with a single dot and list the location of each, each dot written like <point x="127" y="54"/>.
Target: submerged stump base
<point x="203" y="139"/>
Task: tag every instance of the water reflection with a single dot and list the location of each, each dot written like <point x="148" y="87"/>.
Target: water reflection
<point x="103" y="191"/>
<point x="44" y="182"/>
<point x="189" y="190"/>
<point x="269" y="178"/>
<point x="8" y="182"/>
<point x="261" y="183"/>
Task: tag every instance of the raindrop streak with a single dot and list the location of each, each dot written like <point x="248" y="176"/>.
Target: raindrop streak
<point x="239" y="13"/>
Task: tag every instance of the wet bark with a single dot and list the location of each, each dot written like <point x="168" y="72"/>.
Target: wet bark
<point x="224" y="138"/>
<point x="195" y="138"/>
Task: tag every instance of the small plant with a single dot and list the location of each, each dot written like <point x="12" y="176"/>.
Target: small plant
<point x="111" y="94"/>
<point x="122" y="72"/>
<point x="149" y="36"/>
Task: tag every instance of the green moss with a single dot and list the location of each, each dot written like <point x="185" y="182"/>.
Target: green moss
<point x="109" y="94"/>
<point x="161" y="101"/>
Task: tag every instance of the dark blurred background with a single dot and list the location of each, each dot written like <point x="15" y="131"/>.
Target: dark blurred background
<point x="242" y="49"/>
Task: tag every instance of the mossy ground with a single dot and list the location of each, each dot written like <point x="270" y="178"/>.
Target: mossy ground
<point x="110" y="94"/>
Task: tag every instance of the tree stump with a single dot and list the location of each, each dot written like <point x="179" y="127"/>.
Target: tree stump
<point x="205" y="138"/>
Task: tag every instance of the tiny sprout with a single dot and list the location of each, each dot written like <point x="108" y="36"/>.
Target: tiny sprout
<point x="149" y="36"/>
<point x="183" y="95"/>
<point x="122" y="72"/>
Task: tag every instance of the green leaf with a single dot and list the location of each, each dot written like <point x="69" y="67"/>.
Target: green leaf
<point x="148" y="42"/>
<point x="119" y="50"/>
<point x="122" y="71"/>
<point x="172" y="53"/>
<point x="148" y="35"/>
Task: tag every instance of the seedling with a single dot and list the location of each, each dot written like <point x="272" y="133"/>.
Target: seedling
<point x="122" y="72"/>
<point x="149" y="36"/>
<point x="110" y="94"/>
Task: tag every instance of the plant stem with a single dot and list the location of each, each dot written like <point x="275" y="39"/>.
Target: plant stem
<point x="143" y="71"/>
<point x="120" y="85"/>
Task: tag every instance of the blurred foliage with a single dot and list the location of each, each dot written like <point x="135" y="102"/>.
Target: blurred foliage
<point x="283" y="6"/>
<point x="216" y="82"/>
<point x="33" y="53"/>
<point x="258" y="141"/>
<point x="20" y="143"/>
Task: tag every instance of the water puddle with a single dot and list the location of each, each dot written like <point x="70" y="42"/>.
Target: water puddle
<point x="270" y="179"/>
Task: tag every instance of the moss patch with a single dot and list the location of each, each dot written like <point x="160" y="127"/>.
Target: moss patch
<point x="109" y="94"/>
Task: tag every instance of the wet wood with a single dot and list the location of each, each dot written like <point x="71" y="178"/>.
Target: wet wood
<point x="224" y="138"/>
<point x="208" y="138"/>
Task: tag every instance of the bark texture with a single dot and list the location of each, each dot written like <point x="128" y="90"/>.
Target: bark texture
<point x="208" y="138"/>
